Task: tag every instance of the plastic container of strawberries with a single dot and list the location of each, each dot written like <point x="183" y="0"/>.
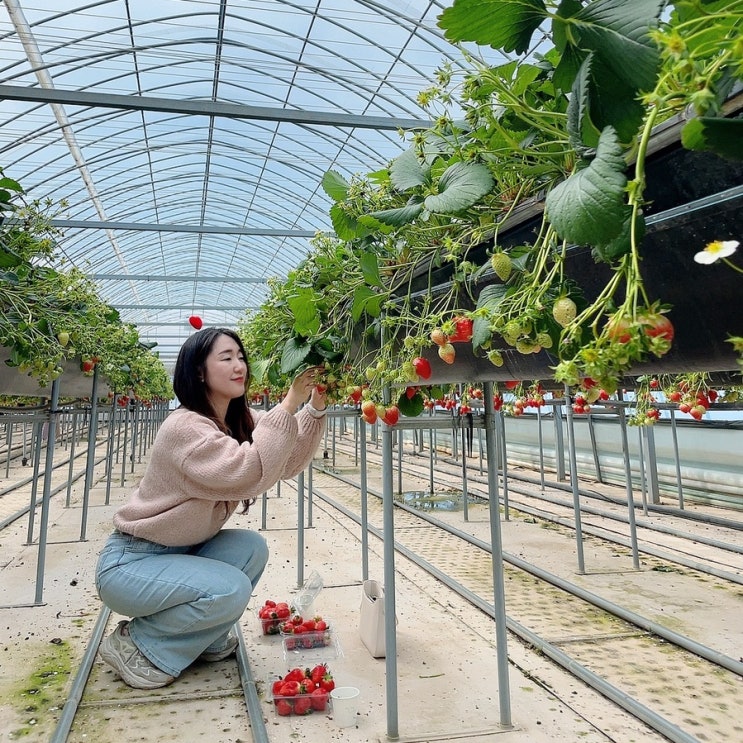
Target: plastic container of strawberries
<point x="311" y="647"/>
<point x="302" y="704"/>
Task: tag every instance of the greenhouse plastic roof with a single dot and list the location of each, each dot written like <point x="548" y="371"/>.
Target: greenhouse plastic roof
<point x="189" y="138"/>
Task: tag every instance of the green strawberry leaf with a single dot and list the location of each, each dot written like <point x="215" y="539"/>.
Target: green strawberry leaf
<point x="303" y="305"/>
<point x="581" y="132"/>
<point x="473" y="20"/>
<point x="335" y="185"/>
<point x="365" y="300"/>
<point x="406" y="171"/>
<point x="461" y="186"/>
<point x="344" y="224"/>
<point x="294" y="353"/>
<point x="402" y="215"/>
<point x="611" y="251"/>
<point x="721" y="136"/>
<point x="588" y="207"/>
<point x="617" y="31"/>
<point x="370" y="269"/>
<point x="259" y="368"/>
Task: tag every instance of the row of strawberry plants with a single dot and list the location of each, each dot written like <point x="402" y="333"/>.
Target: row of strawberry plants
<point x="365" y="302"/>
<point x="51" y="316"/>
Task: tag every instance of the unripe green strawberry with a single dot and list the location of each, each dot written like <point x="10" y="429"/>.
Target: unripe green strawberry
<point x="544" y="340"/>
<point x="495" y="357"/>
<point x="502" y="265"/>
<point x="564" y="311"/>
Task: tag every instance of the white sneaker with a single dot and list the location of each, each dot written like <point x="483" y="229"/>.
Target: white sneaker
<point x="212" y="656"/>
<point x="122" y="654"/>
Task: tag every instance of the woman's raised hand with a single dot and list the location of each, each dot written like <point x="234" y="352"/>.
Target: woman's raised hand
<point x="304" y="384"/>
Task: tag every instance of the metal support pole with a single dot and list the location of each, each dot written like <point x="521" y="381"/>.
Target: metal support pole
<point x="399" y="462"/>
<point x="90" y="454"/>
<point x="676" y="459"/>
<point x="47" y="490"/>
<point x="643" y="481"/>
<point x="364" y="493"/>
<point x="465" y="499"/>
<point x="71" y="465"/>
<point x="500" y="427"/>
<point x="37" y="437"/>
<point x="559" y="445"/>
<point x="300" y="529"/>
<point x="541" y="448"/>
<point x="499" y="594"/>
<point x="574" y="480"/>
<point x="390" y="612"/>
<point x="594" y="448"/>
<point x="629" y="489"/>
<point x="652" y="464"/>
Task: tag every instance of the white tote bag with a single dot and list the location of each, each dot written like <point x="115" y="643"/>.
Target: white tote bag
<point x="371" y="626"/>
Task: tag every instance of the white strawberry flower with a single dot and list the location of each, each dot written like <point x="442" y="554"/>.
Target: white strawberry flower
<point x="715" y="250"/>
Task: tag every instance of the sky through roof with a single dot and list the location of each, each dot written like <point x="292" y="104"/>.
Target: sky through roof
<point x="190" y="137"/>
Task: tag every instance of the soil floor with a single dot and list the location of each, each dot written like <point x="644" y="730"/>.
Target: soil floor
<point x="446" y="665"/>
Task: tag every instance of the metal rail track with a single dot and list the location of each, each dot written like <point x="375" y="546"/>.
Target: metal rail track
<point x="680" y="547"/>
<point x="679" y="687"/>
<point x="90" y="696"/>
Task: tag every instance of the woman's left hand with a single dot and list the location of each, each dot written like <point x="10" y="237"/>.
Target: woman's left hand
<point x="303" y="384"/>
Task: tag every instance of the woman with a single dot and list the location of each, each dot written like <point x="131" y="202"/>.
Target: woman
<point x="169" y="563"/>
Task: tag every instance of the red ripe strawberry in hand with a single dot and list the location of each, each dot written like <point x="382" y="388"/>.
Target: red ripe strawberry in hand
<point x="422" y="367"/>
<point x="196" y="322"/>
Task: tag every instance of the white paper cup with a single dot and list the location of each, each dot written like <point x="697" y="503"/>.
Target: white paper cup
<point x="345" y="705"/>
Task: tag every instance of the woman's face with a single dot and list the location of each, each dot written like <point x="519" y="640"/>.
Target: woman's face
<point x="225" y="372"/>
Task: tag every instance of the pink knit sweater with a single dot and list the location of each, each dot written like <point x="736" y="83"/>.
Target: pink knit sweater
<point x="197" y="475"/>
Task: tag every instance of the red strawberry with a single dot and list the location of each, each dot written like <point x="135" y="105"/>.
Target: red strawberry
<point x="289" y="689"/>
<point x="369" y="411"/>
<point x="462" y="330"/>
<point x="391" y="415"/>
<point x="317" y="673"/>
<point x="296" y="674"/>
<point x="422" y="367"/>
<point x="319" y="699"/>
<point x="302" y="705"/>
<point x="196" y="322"/>
<point x="283" y="707"/>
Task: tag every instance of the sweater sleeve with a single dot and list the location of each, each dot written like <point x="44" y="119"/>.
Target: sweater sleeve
<point x="310" y="431"/>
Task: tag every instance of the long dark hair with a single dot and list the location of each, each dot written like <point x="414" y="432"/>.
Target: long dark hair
<point x="192" y="393"/>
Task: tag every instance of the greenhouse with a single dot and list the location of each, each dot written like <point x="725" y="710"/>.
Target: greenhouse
<point x="486" y="254"/>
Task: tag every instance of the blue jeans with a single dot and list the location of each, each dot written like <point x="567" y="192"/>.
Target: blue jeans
<point x="183" y="600"/>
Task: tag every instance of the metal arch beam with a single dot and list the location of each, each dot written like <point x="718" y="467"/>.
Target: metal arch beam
<point x="85" y="224"/>
<point x="163" y="277"/>
<point x="185" y="307"/>
<point x="205" y="108"/>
